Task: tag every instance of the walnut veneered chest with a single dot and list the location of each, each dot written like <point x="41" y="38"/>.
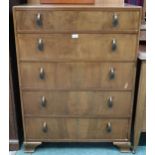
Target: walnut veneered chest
<point x="77" y="68"/>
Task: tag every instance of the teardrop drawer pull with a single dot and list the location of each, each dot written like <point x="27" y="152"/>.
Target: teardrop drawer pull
<point x="45" y="128"/>
<point x="114" y="45"/>
<point x="42" y="73"/>
<point x="112" y="73"/>
<point x="109" y="127"/>
<point x="115" y="20"/>
<point x="110" y="102"/>
<point x="43" y="101"/>
<point x="39" y="20"/>
<point x="40" y="45"/>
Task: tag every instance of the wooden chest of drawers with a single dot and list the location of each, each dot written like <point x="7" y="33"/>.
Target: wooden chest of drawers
<point x="76" y="72"/>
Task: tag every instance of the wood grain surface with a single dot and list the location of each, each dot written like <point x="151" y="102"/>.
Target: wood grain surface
<point x="77" y="76"/>
<point x="86" y="47"/>
<point x="81" y="103"/>
<point x="76" y="21"/>
<point x="75" y="128"/>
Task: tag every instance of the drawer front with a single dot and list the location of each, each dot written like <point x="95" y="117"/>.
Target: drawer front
<point x="90" y="103"/>
<point x="54" y="47"/>
<point x="71" y="21"/>
<point x="77" y="76"/>
<point x="75" y="128"/>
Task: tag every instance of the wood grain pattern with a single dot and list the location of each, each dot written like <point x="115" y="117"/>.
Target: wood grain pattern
<point x="62" y="47"/>
<point x="90" y="103"/>
<point x="77" y="76"/>
<point x="74" y="21"/>
<point x="73" y="128"/>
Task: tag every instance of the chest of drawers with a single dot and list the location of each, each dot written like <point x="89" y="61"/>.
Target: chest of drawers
<point x="76" y="67"/>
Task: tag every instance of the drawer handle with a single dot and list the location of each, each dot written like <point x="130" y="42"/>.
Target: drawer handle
<point x="38" y="20"/>
<point x="115" y="20"/>
<point x="114" y="45"/>
<point x="110" y="102"/>
<point x="42" y="73"/>
<point x="112" y="74"/>
<point x="43" y="101"/>
<point x="45" y="128"/>
<point x="40" y="45"/>
<point x="109" y="127"/>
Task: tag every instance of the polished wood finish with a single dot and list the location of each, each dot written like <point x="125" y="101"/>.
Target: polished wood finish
<point x="77" y="67"/>
<point x="75" y="128"/>
<point x="77" y="76"/>
<point x="62" y="47"/>
<point x="140" y="118"/>
<point x="76" y="21"/>
<point x="81" y="103"/>
<point x="67" y="1"/>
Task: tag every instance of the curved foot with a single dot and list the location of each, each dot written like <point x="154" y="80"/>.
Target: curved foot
<point x="123" y="146"/>
<point x="29" y="147"/>
<point x="133" y="151"/>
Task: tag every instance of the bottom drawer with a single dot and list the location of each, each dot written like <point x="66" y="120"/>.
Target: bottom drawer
<point x="75" y="128"/>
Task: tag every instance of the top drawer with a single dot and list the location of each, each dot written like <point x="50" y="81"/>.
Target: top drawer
<point x="55" y="21"/>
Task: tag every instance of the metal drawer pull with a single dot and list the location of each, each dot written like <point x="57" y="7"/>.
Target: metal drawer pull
<point x="115" y="20"/>
<point x="45" y="129"/>
<point x="38" y="20"/>
<point x="42" y="73"/>
<point x="43" y="101"/>
<point x="112" y="74"/>
<point x="110" y="102"/>
<point x="40" y="45"/>
<point x="109" y="127"/>
<point x="114" y="45"/>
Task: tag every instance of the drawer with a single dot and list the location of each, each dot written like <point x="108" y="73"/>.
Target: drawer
<point x="51" y="20"/>
<point x="90" y="103"/>
<point x="77" y="76"/>
<point x="61" y="47"/>
<point x="75" y="128"/>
